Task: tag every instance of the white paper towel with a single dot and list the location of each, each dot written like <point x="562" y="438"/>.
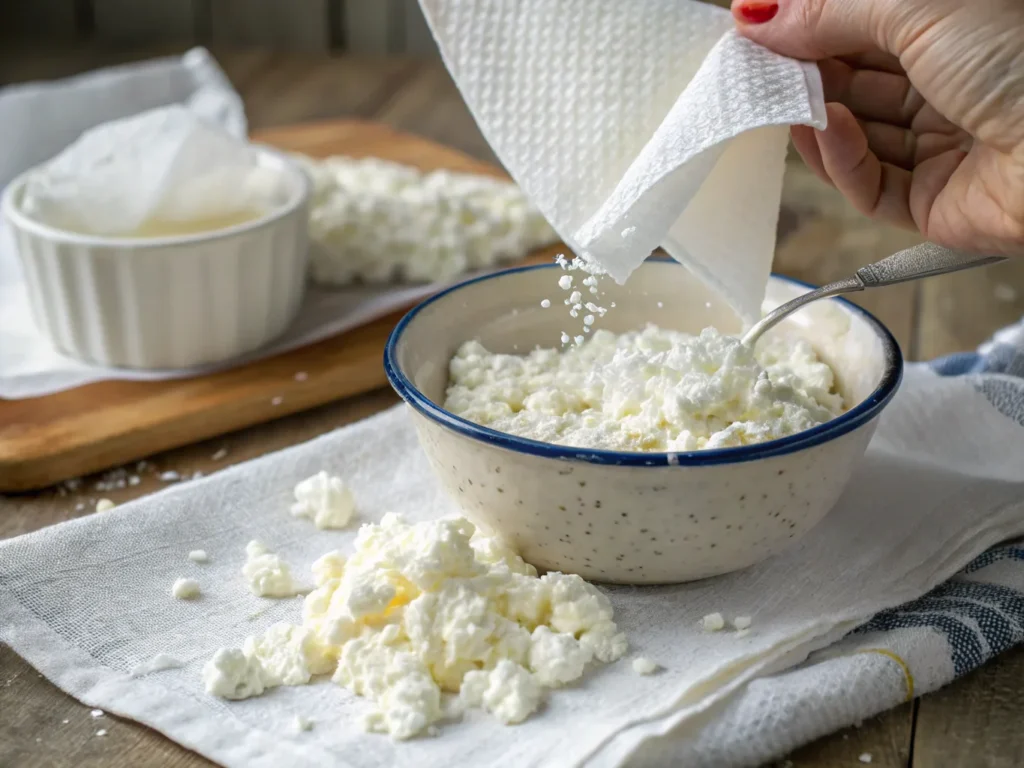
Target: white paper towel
<point x="41" y="119"/>
<point x="167" y="164"/>
<point x="633" y="125"/>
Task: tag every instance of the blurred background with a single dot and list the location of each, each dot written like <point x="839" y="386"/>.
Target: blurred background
<point x="294" y="61"/>
<point x="368" y="26"/>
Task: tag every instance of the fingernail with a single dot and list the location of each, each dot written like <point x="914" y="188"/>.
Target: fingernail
<point x="757" y="13"/>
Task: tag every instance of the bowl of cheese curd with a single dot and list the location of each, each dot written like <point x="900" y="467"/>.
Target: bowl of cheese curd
<point x="638" y="441"/>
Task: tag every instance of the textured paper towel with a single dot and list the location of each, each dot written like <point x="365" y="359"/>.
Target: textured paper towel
<point x="167" y="164"/>
<point x="40" y="119"/>
<point x="941" y="482"/>
<point x="633" y="125"/>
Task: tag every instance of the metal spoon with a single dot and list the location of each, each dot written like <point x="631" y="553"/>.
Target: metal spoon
<point x="923" y="260"/>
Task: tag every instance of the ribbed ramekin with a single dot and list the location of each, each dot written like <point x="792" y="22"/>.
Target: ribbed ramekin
<point x="167" y="302"/>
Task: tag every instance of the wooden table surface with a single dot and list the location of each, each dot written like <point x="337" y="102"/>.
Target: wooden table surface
<point x="974" y="722"/>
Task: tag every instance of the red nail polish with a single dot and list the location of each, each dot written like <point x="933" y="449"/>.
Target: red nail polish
<point x="757" y="13"/>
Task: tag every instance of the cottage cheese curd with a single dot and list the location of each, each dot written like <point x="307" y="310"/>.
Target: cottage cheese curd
<point x="376" y="221"/>
<point x="159" y="663"/>
<point x="644" y="666"/>
<point x="231" y="674"/>
<point x="713" y="622"/>
<point x="266" y="574"/>
<point x="421" y="612"/>
<point x="324" y="499"/>
<point x="652" y="390"/>
<point x="185" y="589"/>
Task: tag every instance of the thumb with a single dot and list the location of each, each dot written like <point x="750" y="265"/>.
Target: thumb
<point x="821" y="29"/>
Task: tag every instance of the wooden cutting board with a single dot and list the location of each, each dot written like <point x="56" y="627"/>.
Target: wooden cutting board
<point x="48" y="439"/>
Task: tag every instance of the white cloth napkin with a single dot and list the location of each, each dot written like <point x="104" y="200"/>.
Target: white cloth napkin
<point x="87" y="601"/>
<point x="38" y="120"/>
<point x="636" y="124"/>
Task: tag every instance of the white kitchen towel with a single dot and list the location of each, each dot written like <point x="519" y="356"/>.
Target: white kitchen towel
<point x="633" y="125"/>
<point x="38" y="120"/>
<point x="87" y="601"/>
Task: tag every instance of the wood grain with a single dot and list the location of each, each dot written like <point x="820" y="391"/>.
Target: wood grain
<point x="38" y="19"/>
<point x="429" y="104"/>
<point x="364" y="26"/>
<point x="330" y="87"/>
<point x="370" y="27"/>
<point x="25" y="61"/>
<point x="887" y="738"/>
<point x="48" y="439"/>
<point x="362" y="139"/>
<point x="134" y="22"/>
<point x="42" y="727"/>
<point x="417" y="39"/>
<point x="295" y="25"/>
<point x="977" y="721"/>
<point x="24" y="513"/>
<point x="963" y="309"/>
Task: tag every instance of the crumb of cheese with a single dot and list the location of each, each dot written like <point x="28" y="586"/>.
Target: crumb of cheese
<point x="185" y="589"/>
<point x="713" y="622"/>
<point x="644" y="666"/>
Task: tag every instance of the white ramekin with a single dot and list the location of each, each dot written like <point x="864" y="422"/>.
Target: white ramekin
<point x="167" y="302"/>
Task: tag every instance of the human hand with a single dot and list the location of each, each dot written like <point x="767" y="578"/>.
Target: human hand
<point x="925" y="102"/>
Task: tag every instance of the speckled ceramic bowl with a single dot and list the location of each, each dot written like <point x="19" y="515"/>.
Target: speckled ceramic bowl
<point x="637" y="518"/>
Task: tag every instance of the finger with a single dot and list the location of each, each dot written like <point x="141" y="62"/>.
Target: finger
<point x="930" y="145"/>
<point x="890" y="143"/>
<point x="807" y="146"/>
<point x="877" y="189"/>
<point x="906" y="148"/>
<point x="876" y="60"/>
<point x="929" y="120"/>
<point x="935" y="178"/>
<point x="870" y="94"/>
<point x="821" y="29"/>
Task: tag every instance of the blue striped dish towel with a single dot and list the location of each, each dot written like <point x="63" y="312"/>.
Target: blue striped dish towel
<point x="899" y="654"/>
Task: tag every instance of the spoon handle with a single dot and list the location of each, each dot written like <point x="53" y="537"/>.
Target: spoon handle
<point x="923" y="260"/>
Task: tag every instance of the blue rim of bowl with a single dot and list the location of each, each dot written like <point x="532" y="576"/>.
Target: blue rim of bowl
<point x="857" y="416"/>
